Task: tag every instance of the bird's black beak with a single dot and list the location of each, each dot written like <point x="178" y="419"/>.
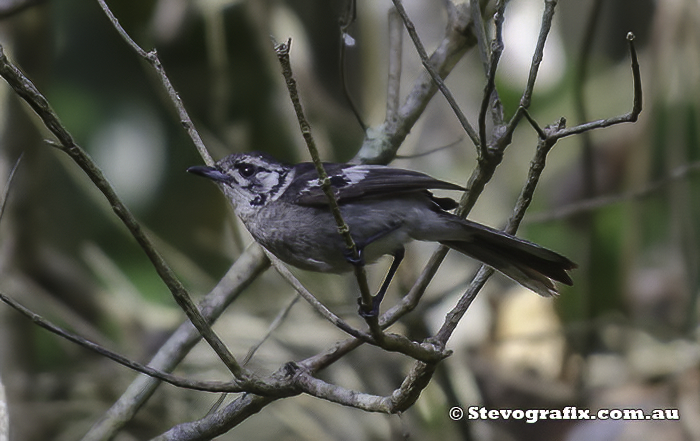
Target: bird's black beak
<point x="212" y="173"/>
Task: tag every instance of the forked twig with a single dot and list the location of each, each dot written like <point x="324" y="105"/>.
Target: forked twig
<point x="434" y="74"/>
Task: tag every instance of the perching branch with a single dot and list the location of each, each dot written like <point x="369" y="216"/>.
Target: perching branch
<point x="313" y="301"/>
<point x="390" y="342"/>
<point x="282" y="51"/>
<point x="548" y="138"/>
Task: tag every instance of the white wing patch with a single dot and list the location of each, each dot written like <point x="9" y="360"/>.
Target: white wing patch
<point x="355" y="174"/>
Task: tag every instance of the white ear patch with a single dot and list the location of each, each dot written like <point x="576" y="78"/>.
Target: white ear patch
<point x="268" y="180"/>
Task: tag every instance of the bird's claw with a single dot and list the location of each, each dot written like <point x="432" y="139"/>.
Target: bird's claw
<point x="354" y="259"/>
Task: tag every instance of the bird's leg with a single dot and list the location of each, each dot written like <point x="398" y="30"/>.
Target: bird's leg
<point x="377" y="299"/>
<point x="360" y="261"/>
<point x="361" y="245"/>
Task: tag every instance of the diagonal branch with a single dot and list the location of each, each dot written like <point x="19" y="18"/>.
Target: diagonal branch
<point x="537" y="56"/>
<point x="208" y="386"/>
<point x="313" y="301"/>
<point x="434" y="73"/>
<point x="548" y="138"/>
<point x="29" y="93"/>
<point x="152" y="58"/>
<point x="244" y="271"/>
<point x="382" y="142"/>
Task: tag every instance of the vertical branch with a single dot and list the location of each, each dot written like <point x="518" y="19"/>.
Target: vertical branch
<point x="382" y="142"/>
<point x="588" y="172"/>
<point x="282" y="51"/>
<point x="526" y="99"/>
<point x="8" y="185"/>
<point x="545" y="27"/>
<point x="536" y="168"/>
<point x="345" y="41"/>
<point x="490" y="89"/>
<point x="395" y="58"/>
<point x="480" y="32"/>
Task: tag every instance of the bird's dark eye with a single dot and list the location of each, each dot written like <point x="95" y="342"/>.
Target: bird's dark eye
<point x="246" y="170"/>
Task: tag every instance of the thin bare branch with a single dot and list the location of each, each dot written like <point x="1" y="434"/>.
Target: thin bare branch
<point x="8" y="185"/>
<point x="490" y="94"/>
<point x="347" y="41"/>
<point x="279" y="319"/>
<point x="632" y="116"/>
<point x="393" y="93"/>
<point x="548" y="138"/>
<point x="599" y="202"/>
<point x="389" y="342"/>
<point x="430" y="151"/>
<point x="382" y="142"/>
<point x="521" y="206"/>
<point x="313" y="301"/>
<point x="537" y="56"/>
<point x="282" y="51"/>
<point x="208" y="386"/>
<point x="434" y="74"/>
<point x="152" y="58"/>
<point x="480" y="33"/>
<point x="296" y="378"/>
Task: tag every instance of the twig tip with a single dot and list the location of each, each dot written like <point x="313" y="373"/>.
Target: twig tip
<point x="282" y="49"/>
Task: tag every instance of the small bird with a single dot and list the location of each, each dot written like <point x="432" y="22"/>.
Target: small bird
<point x="287" y="212"/>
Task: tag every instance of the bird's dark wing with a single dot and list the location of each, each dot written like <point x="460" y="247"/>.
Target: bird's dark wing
<point x="351" y="182"/>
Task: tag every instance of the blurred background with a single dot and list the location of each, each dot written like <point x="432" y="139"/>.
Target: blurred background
<point x="624" y="336"/>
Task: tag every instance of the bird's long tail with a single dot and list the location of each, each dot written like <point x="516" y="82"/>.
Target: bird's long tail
<point x="529" y="264"/>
